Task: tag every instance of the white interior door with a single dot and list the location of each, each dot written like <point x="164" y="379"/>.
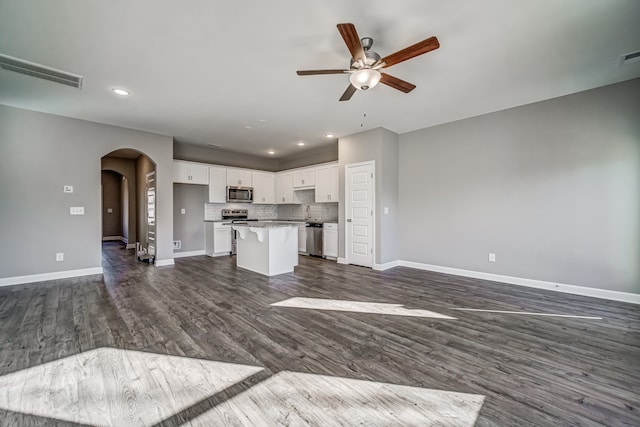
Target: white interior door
<point x="359" y="214"/>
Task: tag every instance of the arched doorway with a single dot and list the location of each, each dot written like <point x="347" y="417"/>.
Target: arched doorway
<point x="133" y="169"/>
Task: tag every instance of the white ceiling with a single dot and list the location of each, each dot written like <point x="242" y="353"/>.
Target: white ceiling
<point x="203" y="70"/>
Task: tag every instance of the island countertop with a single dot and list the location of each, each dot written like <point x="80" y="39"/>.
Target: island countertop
<point x="268" y="224"/>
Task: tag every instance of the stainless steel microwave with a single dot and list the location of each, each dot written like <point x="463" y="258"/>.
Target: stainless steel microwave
<point x="239" y="194"/>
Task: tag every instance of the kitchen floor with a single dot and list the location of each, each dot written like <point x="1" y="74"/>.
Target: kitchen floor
<point x="206" y="343"/>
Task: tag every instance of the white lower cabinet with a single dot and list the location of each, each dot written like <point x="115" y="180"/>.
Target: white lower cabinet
<point x="330" y="240"/>
<point x="218" y="239"/>
<point x="302" y="239"/>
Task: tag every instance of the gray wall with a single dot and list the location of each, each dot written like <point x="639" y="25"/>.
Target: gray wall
<point x="381" y="146"/>
<point x="552" y="188"/>
<point x="39" y="153"/>
<point x="205" y="154"/>
<point x="111" y="200"/>
<point x="189" y="228"/>
<point x="324" y="154"/>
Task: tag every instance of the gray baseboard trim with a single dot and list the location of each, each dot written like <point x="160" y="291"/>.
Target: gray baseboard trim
<point x="540" y="284"/>
<point x="31" y="278"/>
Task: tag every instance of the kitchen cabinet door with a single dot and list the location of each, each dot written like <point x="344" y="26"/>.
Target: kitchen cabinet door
<point x="264" y="187"/>
<point x="304" y="178"/>
<point x="217" y="185"/>
<point x="239" y="177"/>
<point x="330" y="240"/>
<point x="217" y="239"/>
<point x="284" y="189"/>
<point x="302" y="239"/>
<point x="190" y="173"/>
<point x="327" y="184"/>
<point x="222" y="239"/>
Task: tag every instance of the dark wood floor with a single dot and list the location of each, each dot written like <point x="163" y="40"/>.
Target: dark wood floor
<point x="532" y="370"/>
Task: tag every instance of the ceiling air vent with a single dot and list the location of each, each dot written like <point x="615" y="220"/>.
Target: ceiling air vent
<point x="40" y="71"/>
<point x="630" y="58"/>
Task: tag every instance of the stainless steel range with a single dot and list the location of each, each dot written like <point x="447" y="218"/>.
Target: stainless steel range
<point x="236" y="216"/>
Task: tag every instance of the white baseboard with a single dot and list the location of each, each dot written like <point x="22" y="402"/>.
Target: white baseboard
<point x="131" y="245"/>
<point x="31" y="278"/>
<point x="218" y="254"/>
<point x="341" y="260"/>
<point x="112" y="238"/>
<point x="164" y="262"/>
<point x="187" y="254"/>
<point x="540" y="284"/>
<point x="385" y="266"/>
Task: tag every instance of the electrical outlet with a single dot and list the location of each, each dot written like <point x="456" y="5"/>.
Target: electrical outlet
<point x="386" y="210"/>
<point x="60" y="256"/>
<point x="76" y="210"/>
<point x="177" y="244"/>
<point x="67" y="188"/>
<point x="492" y="257"/>
<point x="183" y="211"/>
<point x="109" y="210"/>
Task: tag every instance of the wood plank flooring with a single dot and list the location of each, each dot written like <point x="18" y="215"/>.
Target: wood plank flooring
<point x="515" y="369"/>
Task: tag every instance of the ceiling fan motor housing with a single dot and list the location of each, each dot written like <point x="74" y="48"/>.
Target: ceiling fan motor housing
<point x="371" y="58"/>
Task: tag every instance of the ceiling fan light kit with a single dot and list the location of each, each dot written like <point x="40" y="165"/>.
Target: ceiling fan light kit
<point x="365" y="78"/>
<point x="365" y="63"/>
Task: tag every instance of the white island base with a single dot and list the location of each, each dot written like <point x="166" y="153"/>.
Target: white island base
<point x="267" y="248"/>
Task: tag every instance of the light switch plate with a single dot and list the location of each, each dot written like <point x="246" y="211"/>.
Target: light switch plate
<point x="59" y="256"/>
<point x="386" y="210"/>
<point x="109" y="210"/>
<point x="76" y="210"/>
<point x="183" y="211"/>
<point x="67" y="188"/>
<point x="492" y="257"/>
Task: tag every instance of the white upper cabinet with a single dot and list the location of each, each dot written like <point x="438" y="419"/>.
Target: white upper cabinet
<point x="190" y="173"/>
<point x="284" y="189"/>
<point x="304" y="178"/>
<point x="217" y="185"/>
<point x="327" y="184"/>
<point x="264" y="187"/>
<point x="238" y="177"/>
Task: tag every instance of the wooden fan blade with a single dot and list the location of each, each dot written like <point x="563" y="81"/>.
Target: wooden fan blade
<point x="348" y="93"/>
<point x="412" y="51"/>
<point x="315" y="72"/>
<point x="396" y="83"/>
<point x="352" y="40"/>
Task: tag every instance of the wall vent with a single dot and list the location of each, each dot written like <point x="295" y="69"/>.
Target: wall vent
<point x="630" y="58"/>
<point x="40" y="71"/>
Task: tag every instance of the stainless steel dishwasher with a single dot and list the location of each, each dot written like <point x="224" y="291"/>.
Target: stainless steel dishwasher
<point x="314" y="238"/>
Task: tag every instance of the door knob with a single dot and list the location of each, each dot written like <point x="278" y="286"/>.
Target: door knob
<point x="349" y="220"/>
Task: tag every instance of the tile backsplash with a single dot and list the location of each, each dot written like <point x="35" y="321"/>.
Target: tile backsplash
<point x="213" y="211"/>
<point x="321" y="211"/>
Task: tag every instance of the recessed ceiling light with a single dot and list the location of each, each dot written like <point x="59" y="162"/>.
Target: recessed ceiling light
<point x="247" y="127"/>
<point x="329" y="135"/>
<point x="262" y="121"/>
<point x="300" y="143"/>
<point x="122" y="92"/>
<point x="271" y="152"/>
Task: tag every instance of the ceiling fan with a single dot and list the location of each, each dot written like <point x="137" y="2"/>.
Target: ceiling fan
<point x="365" y="63"/>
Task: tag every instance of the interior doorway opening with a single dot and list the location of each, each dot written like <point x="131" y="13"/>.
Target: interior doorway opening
<point x="125" y="201"/>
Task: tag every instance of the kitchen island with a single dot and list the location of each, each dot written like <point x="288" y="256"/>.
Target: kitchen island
<point x="268" y="248"/>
